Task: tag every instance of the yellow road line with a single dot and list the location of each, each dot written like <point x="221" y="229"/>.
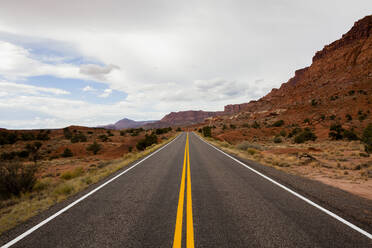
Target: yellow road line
<point x="189" y="223"/>
<point x="178" y="230"/>
<point x="177" y="241"/>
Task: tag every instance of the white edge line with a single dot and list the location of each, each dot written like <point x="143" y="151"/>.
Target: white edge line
<point x="29" y="231"/>
<point x="351" y="225"/>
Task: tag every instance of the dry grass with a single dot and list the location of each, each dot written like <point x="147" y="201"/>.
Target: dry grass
<point x="51" y="190"/>
<point x="341" y="164"/>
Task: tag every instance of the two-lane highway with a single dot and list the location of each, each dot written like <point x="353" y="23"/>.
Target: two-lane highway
<point x="190" y="194"/>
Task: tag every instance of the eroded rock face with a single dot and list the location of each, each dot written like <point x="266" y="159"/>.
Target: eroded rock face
<point x="338" y="83"/>
<point x="187" y="117"/>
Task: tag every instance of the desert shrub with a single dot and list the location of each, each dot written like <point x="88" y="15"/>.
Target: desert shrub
<point x="78" y="137"/>
<point x="42" y="135"/>
<point x="283" y="133"/>
<point x="314" y="102"/>
<point x="207" y="131"/>
<point x="256" y="124"/>
<point x="130" y="149"/>
<point x="336" y="132"/>
<point x="367" y="138"/>
<point x="103" y="137"/>
<point x="122" y="133"/>
<point x="27" y="136"/>
<point x="350" y="135"/>
<point x="361" y="116"/>
<point x="72" y="174"/>
<point x="333" y="98"/>
<point x="351" y="92"/>
<point x="277" y="139"/>
<point x="178" y="129"/>
<point x="64" y="189"/>
<point x="224" y="127"/>
<point x="67" y="133"/>
<point x="278" y="123"/>
<point x="243" y="145"/>
<point x="363" y="92"/>
<point x="67" y="153"/>
<point x="200" y="130"/>
<point x="95" y="147"/>
<point x="304" y="136"/>
<point x="348" y="117"/>
<point x="307" y="120"/>
<point x="33" y="149"/>
<point x="8" y="155"/>
<point x="147" y="141"/>
<point x="16" y="178"/>
<point x="109" y="133"/>
<point x="251" y="151"/>
<point x="322" y="117"/>
<point x="294" y="131"/>
<point x="8" y="138"/>
<point x="232" y="126"/>
<point x="90" y="132"/>
<point x="332" y="117"/>
<point x="23" y="154"/>
<point x="246" y="125"/>
<point x="163" y="130"/>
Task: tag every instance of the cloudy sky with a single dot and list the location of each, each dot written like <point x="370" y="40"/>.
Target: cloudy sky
<point x="92" y="62"/>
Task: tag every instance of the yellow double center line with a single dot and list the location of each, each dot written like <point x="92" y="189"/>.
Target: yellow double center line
<point x="189" y="220"/>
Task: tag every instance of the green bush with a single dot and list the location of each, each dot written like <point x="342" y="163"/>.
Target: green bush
<point x="367" y="138"/>
<point x="277" y="139"/>
<point x="27" y="136"/>
<point x="67" y="133"/>
<point x="348" y="117"/>
<point x="8" y="138"/>
<point x="103" y="137"/>
<point x="95" y="148"/>
<point x="67" y="153"/>
<point x="232" y="126"/>
<point x="336" y="132"/>
<point x="314" y="102"/>
<point x="246" y="125"/>
<point x="283" y="133"/>
<point x="72" y="174"/>
<point x="224" y="127"/>
<point x="304" y="136"/>
<point x="178" y="129"/>
<point x="78" y="137"/>
<point x="350" y="135"/>
<point x="147" y="141"/>
<point x="307" y="120"/>
<point x="42" y="135"/>
<point x="122" y="133"/>
<point x="16" y="178"/>
<point x="207" y="131"/>
<point x="278" y="123"/>
<point x="159" y="131"/>
<point x="109" y="133"/>
<point x="294" y="131"/>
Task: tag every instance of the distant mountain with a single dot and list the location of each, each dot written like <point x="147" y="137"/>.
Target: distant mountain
<point x="127" y="123"/>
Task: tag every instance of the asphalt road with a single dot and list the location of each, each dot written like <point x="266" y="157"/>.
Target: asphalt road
<point x="219" y="204"/>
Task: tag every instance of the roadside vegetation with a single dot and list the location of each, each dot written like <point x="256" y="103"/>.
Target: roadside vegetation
<point x="31" y="179"/>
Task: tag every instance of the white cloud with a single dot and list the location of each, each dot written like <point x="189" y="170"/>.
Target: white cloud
<point x="7" y="88"/>
<point x="17" y="63"/>
<point x="89" y="88"/>
<point x="168" y="55"/>
<point x="106" y="93"/>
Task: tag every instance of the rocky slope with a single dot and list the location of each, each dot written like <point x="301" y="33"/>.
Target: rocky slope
<point x="336" y="87"/>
